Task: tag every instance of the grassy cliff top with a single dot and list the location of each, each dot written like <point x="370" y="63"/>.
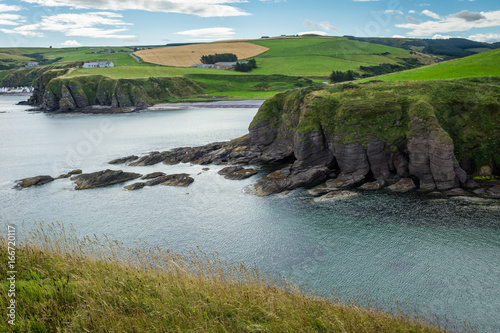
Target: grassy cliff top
<point x="89" y="285"/>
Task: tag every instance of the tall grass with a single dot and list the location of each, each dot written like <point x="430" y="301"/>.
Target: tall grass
<point x="94" y="284"/>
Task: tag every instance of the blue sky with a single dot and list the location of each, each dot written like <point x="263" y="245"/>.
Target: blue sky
<point x="60" y="23"/>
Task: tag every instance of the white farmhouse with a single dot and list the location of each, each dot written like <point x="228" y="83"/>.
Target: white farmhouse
<point x="98" y="64"/>
<point x="32" y="64"/>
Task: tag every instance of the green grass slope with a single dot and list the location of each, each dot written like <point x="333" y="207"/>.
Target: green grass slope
<point x="479" y="65"/>
<point x="319" y="56"/>
<point x="24" y="55"/>
<point x="304" y="56"/>
<point x="66" y="284"/>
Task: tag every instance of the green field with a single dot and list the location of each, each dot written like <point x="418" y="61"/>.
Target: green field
<point x="27" y="54"/>
<point x="147" y="70"/>
<point x="313" y="56"/>
<point x="483" y="64"/>
<point x="308" y="56"/>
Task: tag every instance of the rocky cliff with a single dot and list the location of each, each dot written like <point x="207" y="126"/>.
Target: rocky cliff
<point x="381" y="132"/>
<point x="75" y="93"/>
<point x="431" y="133"/>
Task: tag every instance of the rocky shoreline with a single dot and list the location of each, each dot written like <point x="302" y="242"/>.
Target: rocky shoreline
<point x="371" y="137"/>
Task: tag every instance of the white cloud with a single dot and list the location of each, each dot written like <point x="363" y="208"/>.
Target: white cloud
<point x="451" y="23"/>
<point x="398" y="36"/>
<point x="203" y="8"/>
<point x="82" y="25"/>
<point x="437" y="36"/>
<point x="431" y="14"/>
<point x="392" y="11"/>
<point x="30" y="30"/>
<point x="8" y="8"/>
<point x="11" y="19"/>
<point x="208" y="33"/>
<point x="325" y="25"/>
<point x="321" y="33"/>
<point x="411" y="12"/>
<point x="71" y="43"/>
<point x="412" y="19"/>
<point x="485" y="38"/>
<point x="469" y="16"/>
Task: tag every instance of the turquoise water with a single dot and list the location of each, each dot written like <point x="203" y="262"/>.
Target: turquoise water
<point x="437" y="256"/>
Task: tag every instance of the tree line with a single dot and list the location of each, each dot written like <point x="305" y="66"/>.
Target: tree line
<point x="245" y="67"/>
<point x="218" y="57"/>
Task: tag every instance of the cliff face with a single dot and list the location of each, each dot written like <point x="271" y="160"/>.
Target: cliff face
<point x="74" y="93"/>
<point x="380" y="133"/>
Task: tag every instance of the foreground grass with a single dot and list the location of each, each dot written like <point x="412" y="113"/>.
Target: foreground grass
<point x="91" y="285"/>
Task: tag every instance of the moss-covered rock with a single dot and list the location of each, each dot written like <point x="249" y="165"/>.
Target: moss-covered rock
<point x="99" y="90"/>
<point x="387" y="131"/>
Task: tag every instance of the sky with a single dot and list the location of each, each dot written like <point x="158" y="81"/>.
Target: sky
<point x="69" y="23"/>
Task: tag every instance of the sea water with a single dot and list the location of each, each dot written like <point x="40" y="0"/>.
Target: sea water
<point x="437" y="256"/>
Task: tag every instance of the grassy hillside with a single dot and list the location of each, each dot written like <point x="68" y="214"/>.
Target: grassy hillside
<point x="90" y="285"/>
<point x="313" y="56"/>
<point x="483" y="64"/>
<point x="145" y="71"/>
<point x="445" y="48"/>
<point x="306" y="56"/>
<point x="24" y="55"/>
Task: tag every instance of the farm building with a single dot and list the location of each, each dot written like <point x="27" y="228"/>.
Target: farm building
<point x="203" y="66"/>
<point x="224" y="65"/>
<point x="98" y="64"/>
<point x="32" y="64"/>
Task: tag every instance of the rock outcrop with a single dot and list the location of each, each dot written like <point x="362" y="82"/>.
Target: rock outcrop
<point x="102" y="178"/>
<point x="125" y="159"/>
<point x="237" y="172"/>
<point x="35" y="181"/>
<point x="403" y="136"/>
<point x="80" y="93"/>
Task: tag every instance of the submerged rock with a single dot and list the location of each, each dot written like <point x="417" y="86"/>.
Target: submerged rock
<point x="372" y="186"/>
<point x="135" y="186"/>
<point x="35" y="181"/>
<point x="455" y="192"/>
<point x="124" y="159"/>
<point x="336" y="195"/>
<point x="181" y="179"/>
<point x="319" y="191"/>
<point x="102" y="178"/>
<point x="69" y="174"/>
<point x="403" y="186"/>
<point x="290" y="179"/>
